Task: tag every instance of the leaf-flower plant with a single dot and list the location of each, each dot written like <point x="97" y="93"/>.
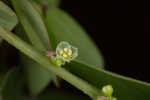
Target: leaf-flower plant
<point x="80" y="64"/>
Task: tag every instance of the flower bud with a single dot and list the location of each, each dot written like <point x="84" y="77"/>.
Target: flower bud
<point x="107" y="90"/>
<point x="57" y="61"/>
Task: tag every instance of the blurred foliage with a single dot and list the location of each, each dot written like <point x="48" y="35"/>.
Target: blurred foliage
<point x="8" y="19"/>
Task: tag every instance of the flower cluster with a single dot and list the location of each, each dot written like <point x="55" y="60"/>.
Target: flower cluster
<point x="64" y="53"/>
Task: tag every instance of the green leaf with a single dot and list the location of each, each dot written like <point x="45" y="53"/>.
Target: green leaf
<point x="35" y="74"/>
<point x="46" y="63"/>
<point x="124" y="88"/>
<point x="37" y="7"/>
<point x="13" y="85"/>
<point x="60" y="94"/>
<point x="8" y="18"/>
<point x="62" y="27"/>
<point x="38" y="36"/>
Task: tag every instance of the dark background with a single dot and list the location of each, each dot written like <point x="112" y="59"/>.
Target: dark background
<point x="121" y="31"/>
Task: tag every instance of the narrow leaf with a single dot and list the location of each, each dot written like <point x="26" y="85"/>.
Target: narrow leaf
<point x="124" y="88"/>
<point x="62" y="27"/>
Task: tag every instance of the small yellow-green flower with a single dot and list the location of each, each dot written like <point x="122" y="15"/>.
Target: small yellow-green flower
<point x="66" y="52"/>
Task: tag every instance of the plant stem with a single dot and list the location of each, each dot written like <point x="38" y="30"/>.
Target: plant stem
<point x="88" y="89"/>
